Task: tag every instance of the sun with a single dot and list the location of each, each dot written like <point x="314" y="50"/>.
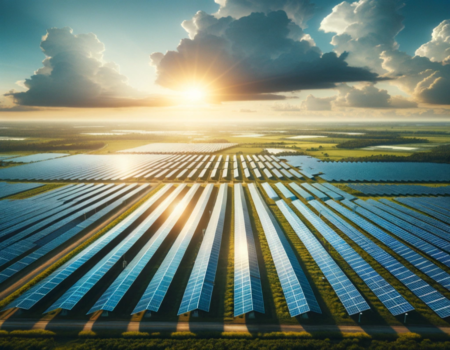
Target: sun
<point x="195" y="94"/>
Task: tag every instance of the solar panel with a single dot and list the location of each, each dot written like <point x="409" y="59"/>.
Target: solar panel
<point x="287" y="174"/>
<point x="410" y="219"/>
<point x="80" y="288"/>
<point x="390" y="298"/>
<point x="314" y="191"/>
<point x="373" y="171"/>
<point x="60" y="224"/>
<point x="418" y="243"/>
<point x="408" y="225"/>
<point x="270" y="191"/>
<point x="347" y="293"/>
<point x="268" y="173"/>
<point x="10" y="189"/>
<point x="329" y="193"/>
<point x="112" y="296"/>
<point x="200" y="286"/>
<point x="430" y="296"/>
<point x="301" y="192"/>
<point x="157" y="289"/>
<point x="296" y="288"/>
<point x="40" y="290"/>
<point x="414" y="203"/>
<point x="417" y="215"/>
<point x="247" y="281"/>
<point x="285" y="192"/>
<point x="257" y="173"/>
<point x="64" y="237"/>
<point x="339" y="191"/>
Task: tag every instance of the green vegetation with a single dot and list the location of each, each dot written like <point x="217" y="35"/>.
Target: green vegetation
<point x="56" y="145"/>
<point x="236" y="341"/>
<point x="363" y="142"/>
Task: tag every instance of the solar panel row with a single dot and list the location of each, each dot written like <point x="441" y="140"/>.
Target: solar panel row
<point x="116" y="291"/>
<point x="390" y="298"/>
<point x="430" y="296"/>
<point x="158" y="286"/>
<point x="347" y="293"/>
<point x="248" y="295"/>
<point x="40" y="290"/>
<point x="200" y="286"/>
<point x="297" y="290"/>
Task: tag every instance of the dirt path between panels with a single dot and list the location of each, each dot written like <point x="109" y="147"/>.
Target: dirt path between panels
<point x="148" y="326"/>
<point x="61" y="253"/>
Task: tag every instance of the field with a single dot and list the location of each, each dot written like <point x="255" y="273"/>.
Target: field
<point x="164" y="323"/>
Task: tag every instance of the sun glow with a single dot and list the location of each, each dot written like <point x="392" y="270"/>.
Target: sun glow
<point x="195" y="94"/>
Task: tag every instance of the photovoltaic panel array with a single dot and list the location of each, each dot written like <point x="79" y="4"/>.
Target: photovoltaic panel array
<point x="371" y="171"/>
<point x="7" y="189"/>
<point x="390" y="298"/>
<point x="40" y="290"/>
<point x="158" y="286"/>
<point x="417" y="215"/>
<point x="301" y="192"/>
<point x="339" y="191"/>
<point x="270" y="191"/>
<point x="296" y="288"/>
<point x="248" y="294"/>
<point x="401" y="190"/>
<point x="419" y="204"/>
<point x="430" y="296"/>
<point x="116" y="291"/>
<point x="93" y="276"/>
<point x="314" y="191"/>
<point x="47" y="244"/>
<point x="411" y="219"/>
<point x="200" y="286"/>
<point x="84" y="167"/>
<point x="416" y="242"/>
<point x="284" y="191"/>
<point x="439" y="239"/>
<point x="347" y="293"/>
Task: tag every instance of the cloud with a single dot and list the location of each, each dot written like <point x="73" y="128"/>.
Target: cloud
<point x="74" y="74"/>
<point x="427" y="81"/>
<point x="369" y="96"/>
<point x="299" y="11"/>
<point x="253" y="57"/>
<point x="438" y="49"/>
<point x="312" y="103"/>
<point x="365" y="29"/>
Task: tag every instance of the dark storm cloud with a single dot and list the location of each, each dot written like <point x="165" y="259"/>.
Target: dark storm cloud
<point x="253" y="55"/>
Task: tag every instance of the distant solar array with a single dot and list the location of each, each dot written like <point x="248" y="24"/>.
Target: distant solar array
<point x="371" y="171"/>
<point x="36" y="157"/>
<point x="181" y="148"/>
<point x="401" y="190"/>
<point x="9" y="189"/>
<point x="82" y="167"/>
<point x="149" y="167"/>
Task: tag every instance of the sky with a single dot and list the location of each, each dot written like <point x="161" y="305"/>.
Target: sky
<point x="260" y="59"/>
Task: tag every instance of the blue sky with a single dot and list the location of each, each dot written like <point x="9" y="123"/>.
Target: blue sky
<point x="131" y="30"/>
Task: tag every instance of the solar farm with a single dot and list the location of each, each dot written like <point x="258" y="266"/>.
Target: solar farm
<point x="204" y="235"/>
